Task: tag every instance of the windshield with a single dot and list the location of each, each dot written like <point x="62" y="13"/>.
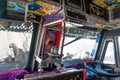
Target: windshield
<point x="80" y="44"/>
<point x="80" y="48"/>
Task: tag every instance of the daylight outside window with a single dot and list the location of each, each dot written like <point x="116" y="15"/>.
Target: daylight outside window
<point x="79" y="43"/>
<point x="79" y="49"/>
<point x="109" y="53"/>
<point x="15" y="41"/>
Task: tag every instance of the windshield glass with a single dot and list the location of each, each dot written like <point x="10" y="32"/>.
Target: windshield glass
<point x="80" y="48"/>
<point x="80" y="44"/>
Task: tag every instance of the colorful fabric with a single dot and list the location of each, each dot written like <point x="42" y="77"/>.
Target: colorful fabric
<point x="13" y="74"/>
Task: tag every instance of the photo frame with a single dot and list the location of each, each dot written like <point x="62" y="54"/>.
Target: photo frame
<point x="15" y="10"/>
<point x="50" y="40"/>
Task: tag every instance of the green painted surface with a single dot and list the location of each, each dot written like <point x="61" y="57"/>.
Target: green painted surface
<point x="2" y="7"/>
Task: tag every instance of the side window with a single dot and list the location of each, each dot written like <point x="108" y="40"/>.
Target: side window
<point x="109" y="52"/>
<point x="15" y="44"/>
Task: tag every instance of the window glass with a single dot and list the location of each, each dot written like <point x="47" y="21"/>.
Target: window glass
<point x="79" y="49"/>
<point x="79" y="43"/>
<point x="14" y="47"/>
<point x="109" y="53"/>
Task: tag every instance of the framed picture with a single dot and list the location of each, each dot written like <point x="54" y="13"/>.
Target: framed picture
<point x="15" y="10"/>
<point x="50" y="40"/>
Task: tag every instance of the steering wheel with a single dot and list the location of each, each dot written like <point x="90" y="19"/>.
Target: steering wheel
<point x="100" y="69"/>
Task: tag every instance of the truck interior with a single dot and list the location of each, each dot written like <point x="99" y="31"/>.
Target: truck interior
<point x="59" y="40"/>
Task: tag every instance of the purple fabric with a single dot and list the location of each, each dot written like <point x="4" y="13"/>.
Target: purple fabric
<point x="73" y="65"/>
<point x="13" y="74"/>
<point x="50" y="70"/>
<point x="76" y="64"/>
<point x="19" y="73"/>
